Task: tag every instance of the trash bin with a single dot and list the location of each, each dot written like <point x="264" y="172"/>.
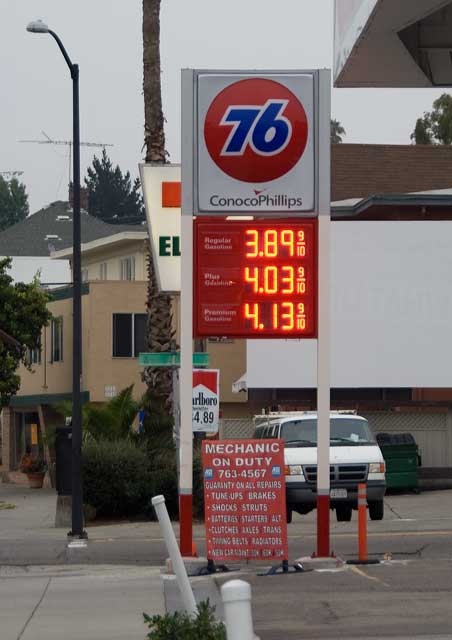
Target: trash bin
<point x="63" y="459"/>
<point x="401" y="455"/>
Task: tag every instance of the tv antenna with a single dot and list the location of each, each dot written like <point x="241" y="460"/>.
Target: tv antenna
<point x="68" y="143"/>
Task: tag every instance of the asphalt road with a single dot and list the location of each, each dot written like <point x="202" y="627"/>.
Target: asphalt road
<point x="408" y="595"/>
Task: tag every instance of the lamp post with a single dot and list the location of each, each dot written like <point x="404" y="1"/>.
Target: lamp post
<point x="77" y="499"/>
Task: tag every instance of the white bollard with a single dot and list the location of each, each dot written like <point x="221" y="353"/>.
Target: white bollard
<point x="188" y="599"/>
<point x="236" y="596"/>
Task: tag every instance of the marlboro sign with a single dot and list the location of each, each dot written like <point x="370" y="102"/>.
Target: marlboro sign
<point x="206" y="400"/>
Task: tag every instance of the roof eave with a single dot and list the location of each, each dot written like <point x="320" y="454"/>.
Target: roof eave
<point x="392" y="200"/>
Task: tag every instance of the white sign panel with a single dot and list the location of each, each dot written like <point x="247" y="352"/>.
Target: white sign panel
<point x="161" y="189"/>
<point x="255" y="142"/>
<point x="206" y="400"/>
<point x="391" y="313"/>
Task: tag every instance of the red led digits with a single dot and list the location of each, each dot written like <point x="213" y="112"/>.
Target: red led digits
<point x="256" y="280"/>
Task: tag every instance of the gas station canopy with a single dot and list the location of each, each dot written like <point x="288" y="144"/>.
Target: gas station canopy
<point x="393" y="43"/>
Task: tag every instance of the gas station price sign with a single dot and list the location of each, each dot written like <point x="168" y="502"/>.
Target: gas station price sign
<point x="256" y="279"/>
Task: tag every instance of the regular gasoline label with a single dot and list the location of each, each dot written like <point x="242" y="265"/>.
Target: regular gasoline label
<point x="245" y="502"/>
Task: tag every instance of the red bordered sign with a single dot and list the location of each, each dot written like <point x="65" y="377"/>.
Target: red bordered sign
<point x="256" y="279"/>
<point x="245" y="502"/>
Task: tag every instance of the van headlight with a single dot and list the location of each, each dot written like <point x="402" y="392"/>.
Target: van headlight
<point x="293" y="470"/>
<point x="377" y="467"/>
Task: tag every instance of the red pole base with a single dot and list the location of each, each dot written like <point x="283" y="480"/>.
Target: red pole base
<point x="323" y="526"/>
<point x="186" y="520"/>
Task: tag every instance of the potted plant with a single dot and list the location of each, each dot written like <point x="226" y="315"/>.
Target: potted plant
<point x="35" y="469"/>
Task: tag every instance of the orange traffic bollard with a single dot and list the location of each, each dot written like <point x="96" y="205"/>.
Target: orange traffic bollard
<point x="362" y="523"/>
<point x="363" y="557"/>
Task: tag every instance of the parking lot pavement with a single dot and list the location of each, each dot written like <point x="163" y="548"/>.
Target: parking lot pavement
<point x="413" y="524"/>
<point x="409" y="599"/>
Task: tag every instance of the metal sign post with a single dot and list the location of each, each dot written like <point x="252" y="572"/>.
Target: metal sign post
<point x="186" y="312"/>
<point x="186" y="386"/>
<point x="324" y="325"/>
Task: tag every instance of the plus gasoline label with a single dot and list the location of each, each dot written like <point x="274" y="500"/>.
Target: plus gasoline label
<point x="256" y="130"/>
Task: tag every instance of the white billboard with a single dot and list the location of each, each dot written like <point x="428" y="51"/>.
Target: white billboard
<point x="256" y="141"/>
<point x="391" y="288"/>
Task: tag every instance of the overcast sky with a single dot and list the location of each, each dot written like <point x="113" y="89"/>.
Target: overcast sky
<point x="104" y="37"/>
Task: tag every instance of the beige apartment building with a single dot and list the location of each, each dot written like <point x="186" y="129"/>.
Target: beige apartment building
<point x="114" y="293"/>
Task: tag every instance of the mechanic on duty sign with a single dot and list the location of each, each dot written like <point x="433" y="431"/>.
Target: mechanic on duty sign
<point x="254" y="146"/>
<point x="245" y="501"/>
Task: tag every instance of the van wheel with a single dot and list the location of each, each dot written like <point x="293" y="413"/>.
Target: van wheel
<point x="343" y="514"/>
<point x="288" y="515"/>
<point x="376" y="510"/>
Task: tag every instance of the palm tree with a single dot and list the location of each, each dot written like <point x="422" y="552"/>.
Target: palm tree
<point x="160" y="333"/>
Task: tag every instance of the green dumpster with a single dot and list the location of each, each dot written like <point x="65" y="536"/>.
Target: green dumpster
<point x="401" y="455"/>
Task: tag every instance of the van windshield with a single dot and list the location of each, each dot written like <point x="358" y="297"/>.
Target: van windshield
<point x="303" y="433"/>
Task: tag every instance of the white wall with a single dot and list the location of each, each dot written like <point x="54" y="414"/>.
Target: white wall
<point x="24" y="269"/>
<point x="392" y="312"/>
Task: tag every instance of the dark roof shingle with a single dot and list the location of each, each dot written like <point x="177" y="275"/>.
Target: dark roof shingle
<point x="50" y="229"/>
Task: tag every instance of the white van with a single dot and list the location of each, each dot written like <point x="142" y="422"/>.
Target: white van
<point x="355" y="457"/>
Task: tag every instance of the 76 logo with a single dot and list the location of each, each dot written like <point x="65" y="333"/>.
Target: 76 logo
<point x="263" y="128"/>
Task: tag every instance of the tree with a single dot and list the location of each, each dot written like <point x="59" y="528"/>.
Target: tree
<point x="160" y="333"/>
<point x="111" y="420"/>
<point x="111" y="195"/>
<point x="337" y="131"/>
<point x="13" y="202"/>
<point x="435" y="127"/>
<point x="23" y="313"/>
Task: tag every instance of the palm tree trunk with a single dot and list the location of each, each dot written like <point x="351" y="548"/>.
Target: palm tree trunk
<point x="154" y="134"/>
<point x="160" y="332"/>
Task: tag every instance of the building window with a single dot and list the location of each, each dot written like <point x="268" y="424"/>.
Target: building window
<point x="34" y="355"/>
<point x="56" y="340"/>
<point x="128" y="268"/>
<point x="103" y="270"/>
<point x="129" y="334"/>
<point x="84" y="275"/>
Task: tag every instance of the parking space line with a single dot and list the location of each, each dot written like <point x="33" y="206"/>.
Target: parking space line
<point x="363" y="574"/>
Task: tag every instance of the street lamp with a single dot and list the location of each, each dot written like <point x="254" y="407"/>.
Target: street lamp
<point x="38" y="26"/>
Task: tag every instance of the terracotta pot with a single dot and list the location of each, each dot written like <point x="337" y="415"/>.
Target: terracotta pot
<point x="35" y="480"/>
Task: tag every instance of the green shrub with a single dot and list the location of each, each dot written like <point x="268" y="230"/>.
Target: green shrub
<point x="116" y="478"/>
<point x="163" y="480"/>
<point x="120" y="479"/>
<point x="180" y="626"/>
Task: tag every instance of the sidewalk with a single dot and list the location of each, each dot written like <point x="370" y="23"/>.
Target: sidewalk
<point x="96" y="603"/>
<point x="28" y="535"/>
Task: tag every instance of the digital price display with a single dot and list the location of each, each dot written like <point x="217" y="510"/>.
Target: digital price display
<point x="256" y="279"/>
